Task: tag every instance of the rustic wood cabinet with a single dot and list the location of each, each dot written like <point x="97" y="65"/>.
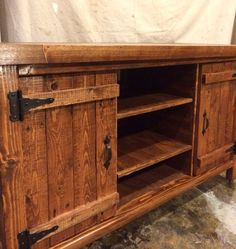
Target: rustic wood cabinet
<point x="94" y="136"/>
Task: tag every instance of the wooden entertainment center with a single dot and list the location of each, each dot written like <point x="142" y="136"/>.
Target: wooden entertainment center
<point x="94" y="136"/>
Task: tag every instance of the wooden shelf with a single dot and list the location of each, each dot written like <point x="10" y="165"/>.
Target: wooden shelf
<point x="133" y="106"/>
<point x="143" y="149"/>
<point x="151" y="181"/>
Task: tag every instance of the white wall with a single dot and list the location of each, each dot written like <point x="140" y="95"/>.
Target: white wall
<point x="160" y="21"/>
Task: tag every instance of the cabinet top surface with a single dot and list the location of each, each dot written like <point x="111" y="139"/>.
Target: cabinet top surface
<point x="34" y="53"/>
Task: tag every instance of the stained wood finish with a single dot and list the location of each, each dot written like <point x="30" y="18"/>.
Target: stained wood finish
<point x="155" y="180"/>
<point x="212" y="78"/>
<point x="56" y="165"/>
<point x="84" y="141"/>
<point x="145" y="202"/>
<point x="136" y="105"/>
<point x="52" y="165"/>
<point x="42" y="69"/>
<point x="80" y="214"/>
<point x="215" y="128"/>
<point x="143" y="149"/>
<point x="224" y="152"/>
<point x="12" y="166"/>
<point x="231" y="173"/>
<point x="76" y="96"/>
<point x="35" y="153"/>
<point x="70" y="53"/>
<point x="106" y="112"/>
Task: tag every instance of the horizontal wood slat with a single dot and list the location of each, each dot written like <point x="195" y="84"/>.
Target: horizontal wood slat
<point x="143" y="149"/>
<point x="211" y="78"/>
<point x="48" y="69"/>
<point x="72" y="53"/>
<point x="79" y="214"/>
<point x="215" y="155"/>
<point x="136" y="105"/>
<point x="77" y="96"/>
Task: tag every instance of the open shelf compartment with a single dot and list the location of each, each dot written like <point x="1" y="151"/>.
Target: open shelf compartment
<point x="143" y="149"/>
<point x="148" y="182"/>
<point x="136" y="105"/>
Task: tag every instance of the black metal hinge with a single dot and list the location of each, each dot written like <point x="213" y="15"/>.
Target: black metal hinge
<point x="26" y="239"/>
<point x="19" y="105"/>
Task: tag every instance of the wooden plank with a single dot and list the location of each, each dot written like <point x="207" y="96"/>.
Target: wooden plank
<point x="222" y="152"/>
<point x="47" y="69"/>
<point x="212" y="78"/>
<point x="36" y="175"/>
<point x="79" y="214"/>
<point x="60" y="160"/>
<point x="132" y="106"/>
<point x="11" y="163"/>
<point x="106" y="125"/>
<point x="72" y="53"/>
<point x="84" y="142"/>
<point x="155" y="179"/>
<point x="35" y="161"/>
<point x="21" y="54"/>
<point x="143" y="149"/>
<point x="139" y="206"/>
<point x="76" y="96"/>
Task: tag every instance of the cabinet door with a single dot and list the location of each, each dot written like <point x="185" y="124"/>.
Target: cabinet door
<point x="60" y="169"/>
<point x="216" y="115"/>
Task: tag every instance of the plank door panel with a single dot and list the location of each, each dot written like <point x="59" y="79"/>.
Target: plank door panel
<point x="52" y="162"/>
<point x="216" y="118"/>
<point x="62" y="157"/>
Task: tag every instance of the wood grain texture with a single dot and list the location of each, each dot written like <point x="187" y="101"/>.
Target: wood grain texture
<point x="56" y="156"/>
<point x="212" y="78"/>
<point x="84" y="142"/>
<point x="80" y="214"/>
<point x="143" y="149"/>
<point x="216" y="155"/>
<point x="76" y="96"/>
<point x="140" y="205"/>
<point x="35" y="161"/>
<point x="217" y="103"/>
<point x="106" y="123"/>
<point x="47" y="69"/>
<point x="136" y="105"/>
<point x="71" y="53"/>
<point x="60" y="160"/>
<point x="11" y="163"/>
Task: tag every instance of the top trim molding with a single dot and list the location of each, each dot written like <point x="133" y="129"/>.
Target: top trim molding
<point x="32" y="53"/>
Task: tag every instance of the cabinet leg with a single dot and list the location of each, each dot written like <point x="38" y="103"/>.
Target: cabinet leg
<point x="231" y="174"/>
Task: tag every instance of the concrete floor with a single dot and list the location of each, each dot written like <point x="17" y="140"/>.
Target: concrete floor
<point x="202" y="218"/>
